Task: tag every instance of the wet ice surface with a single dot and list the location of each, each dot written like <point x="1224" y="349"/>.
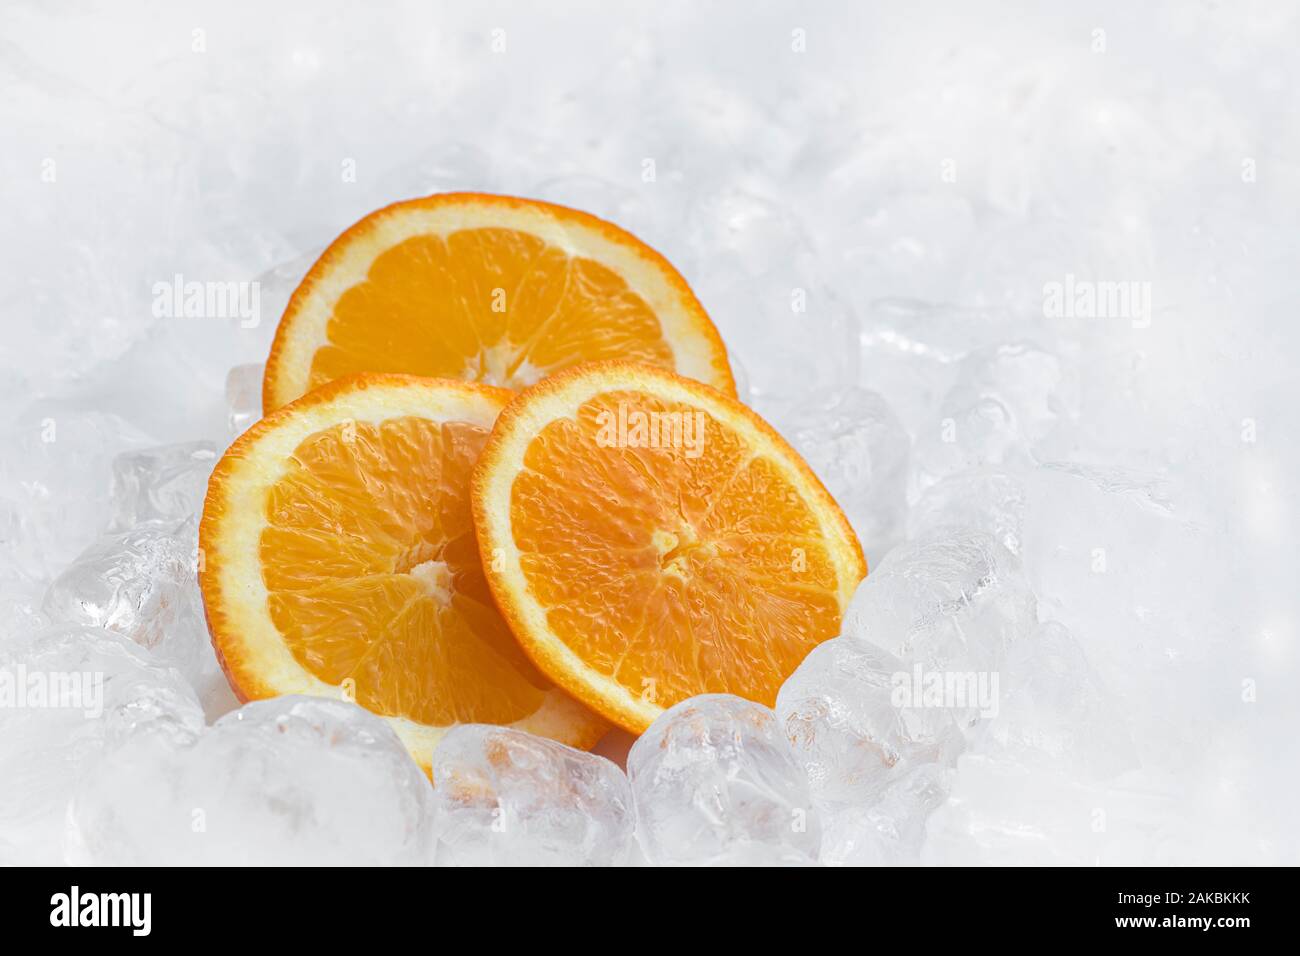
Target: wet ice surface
<point x="294" y="780"/>
<point x="890" y="831"/>
<point x="70" y="696"/>
<point x="243" y="397"/>
<point x="161" y="484"/>
<point x="857" y="446"/>
<point x="140" y="583"/>
<point x="56" y="483"/>
<point x="505" y="797"/>
<point x="853" y="735"/>
<point x="870" y="204"/>
<point x="988" y="500"/>
<point x="955" y="599"/>
<point x="716" y="783"/>
<point x="1005" y="406"/>
<point x="1056" y="709"/>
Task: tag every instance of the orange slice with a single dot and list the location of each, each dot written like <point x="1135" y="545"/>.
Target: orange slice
<point x="649" y="538"/>
<point x="339" y="559"/>
<point x="489" y="289"/>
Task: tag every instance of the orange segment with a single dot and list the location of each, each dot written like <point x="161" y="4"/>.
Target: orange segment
<point x="649" y="539"/>
<point x="489" y="289"/>
<point x="340" y="559"/>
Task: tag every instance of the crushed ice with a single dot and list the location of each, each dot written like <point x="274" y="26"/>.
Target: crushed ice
<point x="1021" y="292"/>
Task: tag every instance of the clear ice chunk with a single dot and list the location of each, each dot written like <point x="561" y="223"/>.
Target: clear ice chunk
<point x="291" y="781"/>
<point x="716" y="782"/>
<point x="1038" y="386"/>
<point x="891" y="832"/>
<point x="952" y="601"/>
<point x="141" y="583"/>
<point x="55" y="476"/>
<point x="752" y="265"/>
<point x="1005" y="403"/>
<point x="243" y="397"/>
<point x="988" y="500"/>
<point x="1143" y="587"/>
<point x="70" y="695"/>
<point x="1055" y="710"/>
<point x="852" y="729"/>
<point x="20" y="591"/>
<point x="166" y="483"/>
<point x="446" y="166"/>
<point x="912" y="350"/>
<point x="1001" y="812"/>
<point x="506" y="797"/>
<point x="20" y="615"/>
<point x="614" y="201"/>
<point x="859" y="449"/>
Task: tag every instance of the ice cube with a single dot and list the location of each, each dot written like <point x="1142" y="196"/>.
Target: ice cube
<point x="736" y="225"/>
<point x="911" y="350"/>
<point x="741" y="376"/>
<point x="981" y="433"/>
<point x="1008" y="267"/>
<point x="20" y="615"/>
<point x="1056" y="710"/>
<point x="506" y="797"/>
<point x="631" y="203"/>
<point x="988" y="500"/>
<point x="294" y="781"/>
<point x="55" y="475"/>
<point x="1003" y="813"/>
<point x="1144" y="589"/>
<point x="1005" y="404"/>
<point x="141" y="583"/>
<point x="166" y="483"/>
<point x="891" y="831"/>
<point x="243" y="397"/>
<point x="446" y="166"/>
<point x="909" y="243"/>
<point x="716" y="782"/>
<point x="858" y="448"/>
<point x="760" y="278"/>
<point x="1039" y="386"/>
<point x="68" y="695"/>
<point x="955" y="600"/>
<point x="785" y="326"/>
<point x="20" y="591"/>
<point x="855" y="725"/>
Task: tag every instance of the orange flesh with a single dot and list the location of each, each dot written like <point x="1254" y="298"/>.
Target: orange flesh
<point x="673" y="574"/>
<point x="488" y="305"/>
<point x="373" y="574"/>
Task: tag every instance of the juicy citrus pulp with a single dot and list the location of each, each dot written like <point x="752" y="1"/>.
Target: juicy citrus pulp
<point x="649" y="539"/>
<point x="491" y="289"/>
<point x="340" y="558"/>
